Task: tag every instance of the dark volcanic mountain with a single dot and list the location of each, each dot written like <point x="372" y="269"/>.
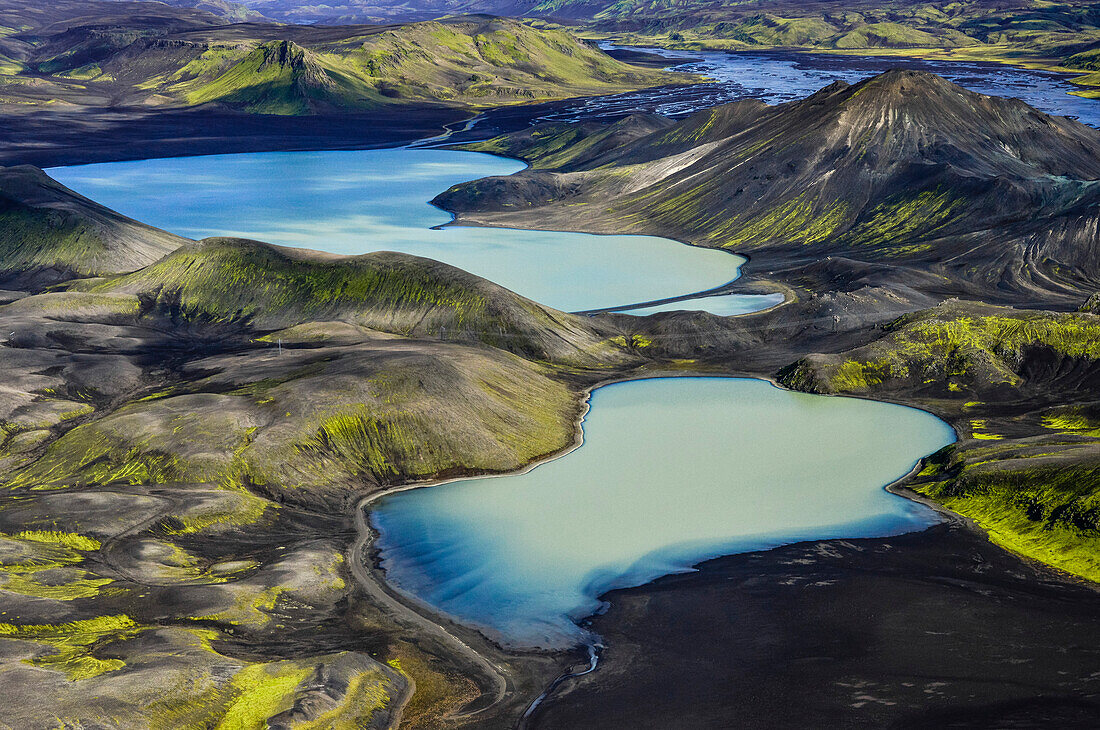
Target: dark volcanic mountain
<point x="902" y="168"/>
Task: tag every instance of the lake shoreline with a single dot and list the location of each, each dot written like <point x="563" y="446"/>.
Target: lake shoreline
<point x="472" y="641"/>
<point x="909" y="631"/>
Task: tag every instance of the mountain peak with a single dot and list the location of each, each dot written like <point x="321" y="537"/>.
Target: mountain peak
<point x="283" y="53"/>
<point x="906" y="79"/>
<point x="933" y="94"/>
<point x="902" y="165"/>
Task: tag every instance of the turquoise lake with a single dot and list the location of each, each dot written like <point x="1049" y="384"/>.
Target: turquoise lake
<point x="672" y="471"/>
<point x="355" y="202"/>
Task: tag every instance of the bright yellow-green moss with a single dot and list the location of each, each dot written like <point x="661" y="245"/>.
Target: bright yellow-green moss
<point x="631" y="341"/>
<point x="934" y="346"/>
<point x="898" y="220"/>
<point x="27" y="583"/>
<point x="74" y="642"/>
<point x="857" y="377"/>
<point x="1048" y="514"/>
<point x="260" y="692"/>
<point x="83" y="410"/>
<point x="231" y="280"/>
<point x="377" y="447"/>
<point x="365" y="695"/>
<point x="84" y="73"/>
<point x="329" y="575"/>
<point x="33" y="558"/>
<point x="32" y="237"/>
<point x="799" y="220"/>
<point x="978" y="431"/>
<point x="251" y="608"/>
<point x="98" y="459"/>
<point x="1071" y="421"/>
<point x="276" y="78"/>
<point x="67" y="539"/>
<point x="9" y="66"/>
<point x="885" y="34"/>
<point x="247" y="509"/>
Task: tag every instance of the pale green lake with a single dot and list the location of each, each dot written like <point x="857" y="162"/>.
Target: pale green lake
<point x="355" y="202"/>
<point x="672" y="471"/>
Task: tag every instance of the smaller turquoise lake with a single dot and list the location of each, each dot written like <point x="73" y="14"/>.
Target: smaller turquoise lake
<point x="355" y="202"/>
<point x="672" y="471"/>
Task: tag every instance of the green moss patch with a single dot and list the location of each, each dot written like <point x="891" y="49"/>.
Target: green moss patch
<point x="73" y="643"/>
<point x="1050" y="514"/>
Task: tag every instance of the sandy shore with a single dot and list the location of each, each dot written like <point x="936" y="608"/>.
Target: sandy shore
<point x="55" y="138"/>
<point x="931" y="629"/>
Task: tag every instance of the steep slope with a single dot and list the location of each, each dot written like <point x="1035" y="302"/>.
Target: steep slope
<point x="905" y="167"/>
<point x="278" y="77"/>
<point x="49" y="233"/>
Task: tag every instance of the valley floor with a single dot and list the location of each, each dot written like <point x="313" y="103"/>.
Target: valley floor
<point x="49" y="138"/>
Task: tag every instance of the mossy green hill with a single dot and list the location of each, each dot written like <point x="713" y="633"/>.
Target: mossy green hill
<point x="1020" y="387"/>
<point x="266" y="287"/>
<point x="982" y="352"/>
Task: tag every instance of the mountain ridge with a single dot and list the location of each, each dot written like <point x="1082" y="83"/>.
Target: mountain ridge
<point x="904" y="167"/>
<point x="99" y="57"/>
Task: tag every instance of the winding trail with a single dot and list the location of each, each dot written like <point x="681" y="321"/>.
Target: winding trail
<point x="376" y="590"/>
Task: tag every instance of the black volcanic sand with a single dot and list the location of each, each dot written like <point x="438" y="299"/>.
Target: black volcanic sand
<point x="52" y="139"/>
<point x="649" y="60"/>
<point x="937" y="629"/>
<point x="48" y="139"/>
